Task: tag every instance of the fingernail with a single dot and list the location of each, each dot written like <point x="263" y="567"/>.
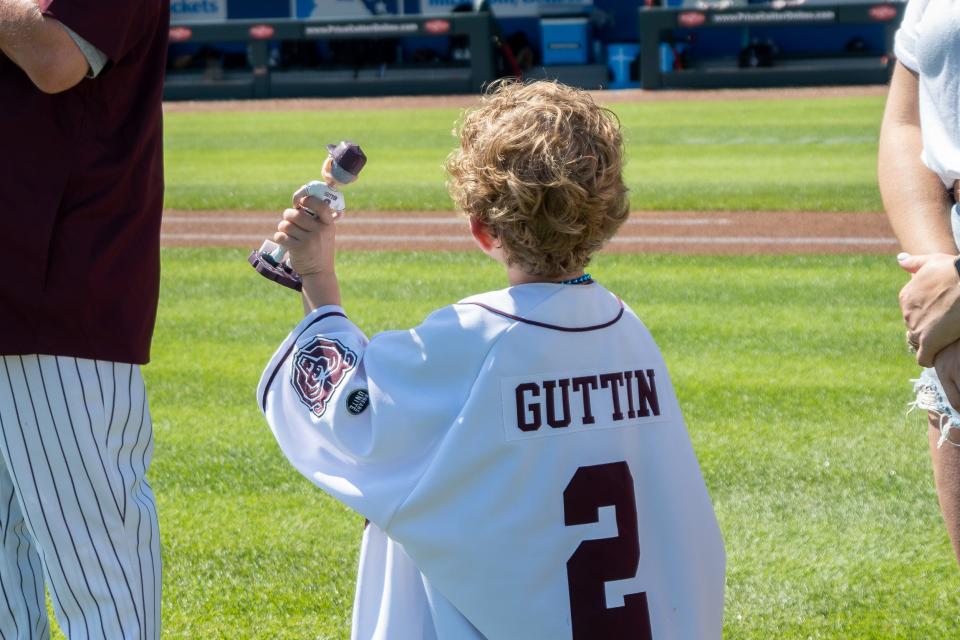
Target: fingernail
<point x="903" y="255"/>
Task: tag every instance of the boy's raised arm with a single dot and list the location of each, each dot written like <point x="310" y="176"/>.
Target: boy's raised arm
<point x="308" y="232"/>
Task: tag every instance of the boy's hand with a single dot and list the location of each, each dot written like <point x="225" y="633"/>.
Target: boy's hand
<point x="307" y="233"/>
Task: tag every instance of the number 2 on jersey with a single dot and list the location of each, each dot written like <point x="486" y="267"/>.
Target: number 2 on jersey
<point x="596" y="562"/>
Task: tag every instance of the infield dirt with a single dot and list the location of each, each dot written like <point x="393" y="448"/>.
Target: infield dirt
<point x="689" y="232"/>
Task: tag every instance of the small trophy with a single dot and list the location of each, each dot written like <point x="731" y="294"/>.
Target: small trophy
<point x="342" y="166"/>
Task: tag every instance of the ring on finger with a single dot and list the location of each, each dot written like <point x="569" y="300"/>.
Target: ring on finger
<point x="912" y="345"/>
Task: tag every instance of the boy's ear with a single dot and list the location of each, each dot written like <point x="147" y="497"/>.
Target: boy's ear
<point x="481" y="233"/>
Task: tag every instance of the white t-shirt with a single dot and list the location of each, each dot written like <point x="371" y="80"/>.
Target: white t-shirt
<point x="523" y="463"/>
<point x="928" y="43"/>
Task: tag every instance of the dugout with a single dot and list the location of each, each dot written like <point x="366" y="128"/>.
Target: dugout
<point x="299" y="48"/>
<point x="253" y="48"/>
<point x="767" y="45"/>
<point x="364" y="57"/>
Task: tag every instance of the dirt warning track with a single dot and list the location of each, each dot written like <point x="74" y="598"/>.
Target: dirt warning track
<point x="684" y="232"/>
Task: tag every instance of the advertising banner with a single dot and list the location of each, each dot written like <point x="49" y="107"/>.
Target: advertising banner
<point x="194" y="11"/>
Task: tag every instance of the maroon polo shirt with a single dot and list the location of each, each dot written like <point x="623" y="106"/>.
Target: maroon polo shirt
<point x="81" y="192"/>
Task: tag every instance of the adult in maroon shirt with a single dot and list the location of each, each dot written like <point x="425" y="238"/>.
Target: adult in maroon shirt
<point x="81" y="192"/>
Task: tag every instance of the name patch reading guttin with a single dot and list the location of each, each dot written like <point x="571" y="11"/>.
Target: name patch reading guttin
<point x="573" y="403"/>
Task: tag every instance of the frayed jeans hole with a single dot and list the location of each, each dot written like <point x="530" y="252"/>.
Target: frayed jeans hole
<point x="930" y="397"/>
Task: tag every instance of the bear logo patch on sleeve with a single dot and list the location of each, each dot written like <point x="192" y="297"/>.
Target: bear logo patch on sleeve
<point x="318" y="369"/>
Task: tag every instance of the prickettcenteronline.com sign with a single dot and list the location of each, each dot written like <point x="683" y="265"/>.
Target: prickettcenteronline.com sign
<point x="774" y="17"/>
<point x="362" y="28"/>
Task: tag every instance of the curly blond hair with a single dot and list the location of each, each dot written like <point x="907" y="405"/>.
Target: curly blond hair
<point x="540" y="164"/>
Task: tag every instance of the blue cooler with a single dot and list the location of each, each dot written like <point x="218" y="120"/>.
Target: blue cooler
<point x="565" y="40"/>
<point x="620" y="58"/>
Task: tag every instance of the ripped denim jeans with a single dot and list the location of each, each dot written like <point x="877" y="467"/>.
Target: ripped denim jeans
<point x="931" y="397"/>
<point x="929" y="391"/>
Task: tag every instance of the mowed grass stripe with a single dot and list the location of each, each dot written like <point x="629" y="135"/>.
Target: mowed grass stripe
<point x="743" y="155"/>
<point x="451" y="220"/>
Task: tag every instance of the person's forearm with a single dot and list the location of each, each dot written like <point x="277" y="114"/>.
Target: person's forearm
<point x="916" y="202"/>
<point x="40" y="46"/>
<point x="319" y="290"/>
<point x="20" y="21"/>
<point x="14" y="12"/>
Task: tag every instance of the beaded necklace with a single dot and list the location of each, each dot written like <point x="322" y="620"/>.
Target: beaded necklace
<point x="584" y="279"/>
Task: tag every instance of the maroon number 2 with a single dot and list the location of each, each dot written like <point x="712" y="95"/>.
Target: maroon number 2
<point x="596" y="562"/>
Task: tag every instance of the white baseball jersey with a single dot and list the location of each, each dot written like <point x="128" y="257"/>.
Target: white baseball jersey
<point x="523" y="463"/>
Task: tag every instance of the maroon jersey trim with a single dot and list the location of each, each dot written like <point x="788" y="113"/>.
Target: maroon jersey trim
<point x="554" y="327"/>
<point x="276" y="370"/>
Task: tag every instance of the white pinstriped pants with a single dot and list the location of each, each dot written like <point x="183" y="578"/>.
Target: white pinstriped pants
<point x="75" y="508"/>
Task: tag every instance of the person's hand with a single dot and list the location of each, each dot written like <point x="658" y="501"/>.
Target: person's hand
<point x="307" y="233"/>
<point x="930" y="303"/>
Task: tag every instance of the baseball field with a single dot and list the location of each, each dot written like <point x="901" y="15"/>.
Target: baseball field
<point x="791" y="368"/>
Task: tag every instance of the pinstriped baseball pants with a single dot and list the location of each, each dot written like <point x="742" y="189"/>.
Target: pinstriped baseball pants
<point x="76" y="511"/>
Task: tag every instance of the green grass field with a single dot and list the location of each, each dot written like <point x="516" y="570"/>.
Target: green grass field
<point x="794" y="394"/>
<point x="791" y="371"/>
<point x="801" y="155"/>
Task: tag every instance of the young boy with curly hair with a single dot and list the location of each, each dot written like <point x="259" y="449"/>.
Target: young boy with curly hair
<point x="520" y="456"/>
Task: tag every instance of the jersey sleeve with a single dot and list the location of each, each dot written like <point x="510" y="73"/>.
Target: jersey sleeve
<point x="112" y="26"/>
<point x="905" y="41"/>
<point x="362" y="419"/>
